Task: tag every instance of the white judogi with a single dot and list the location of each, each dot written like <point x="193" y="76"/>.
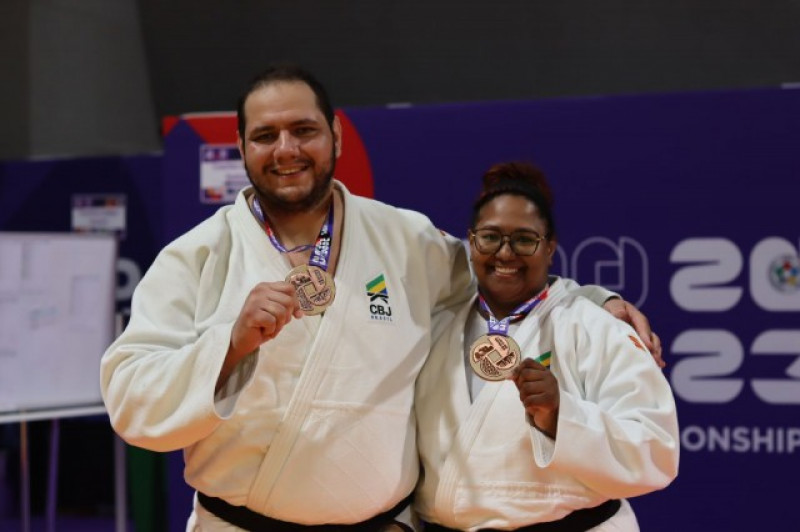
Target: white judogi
<point x="484" y="464"/>
<point x="317" y="426"/>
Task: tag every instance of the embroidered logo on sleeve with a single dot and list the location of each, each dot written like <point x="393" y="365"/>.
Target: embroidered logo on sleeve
<point x="544" y="359"/>
<point x="636" y="342"/>
<point x="379" y="308"/>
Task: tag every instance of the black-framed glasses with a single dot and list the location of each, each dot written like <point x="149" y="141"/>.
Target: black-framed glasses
<point x="489" y="241"/>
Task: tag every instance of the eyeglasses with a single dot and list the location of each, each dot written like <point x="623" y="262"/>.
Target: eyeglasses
<point x="489" y="241"/>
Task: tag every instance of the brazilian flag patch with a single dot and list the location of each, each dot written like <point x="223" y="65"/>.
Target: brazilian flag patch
<point x="376" y="288"/>
<point x="378" y="293"/>
<point x="544" y="359"/>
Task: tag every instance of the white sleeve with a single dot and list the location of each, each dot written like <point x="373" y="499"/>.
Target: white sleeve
<point x="158" y="378"/>
<point x="594" y="293"/>
<point x="450" y="279"/>
<point x="617" y="426"/>
<point x="458" y="285"/>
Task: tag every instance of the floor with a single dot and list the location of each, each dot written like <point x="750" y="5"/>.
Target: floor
<point x="65" y="524"/>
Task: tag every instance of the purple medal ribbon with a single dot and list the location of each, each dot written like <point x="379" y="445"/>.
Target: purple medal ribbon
<point x="322" y="246"/>
<point x="501" y="326"/>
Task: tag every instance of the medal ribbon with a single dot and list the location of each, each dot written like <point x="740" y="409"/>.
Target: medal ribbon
<point x="322" y="246"/>
<point x="501" y="326"/>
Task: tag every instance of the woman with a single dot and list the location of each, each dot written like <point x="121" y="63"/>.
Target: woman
<point x="558" y="441"/>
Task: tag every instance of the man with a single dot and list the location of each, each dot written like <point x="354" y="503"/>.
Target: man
<point x="251" y="346"/>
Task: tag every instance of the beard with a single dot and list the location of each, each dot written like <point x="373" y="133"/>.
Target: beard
<point x="275" y="203"/>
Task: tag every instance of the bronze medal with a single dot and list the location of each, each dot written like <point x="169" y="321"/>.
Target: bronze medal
<point x="494" y="357"/>
<point x="314" y="287"/>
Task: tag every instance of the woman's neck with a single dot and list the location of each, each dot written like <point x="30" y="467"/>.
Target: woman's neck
<point x="499" y="311"/>
<point x="504" y="309"/>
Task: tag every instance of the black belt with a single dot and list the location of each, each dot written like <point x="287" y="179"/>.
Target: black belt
<point x="247" y="519"/>
<point x="578" y="521"/>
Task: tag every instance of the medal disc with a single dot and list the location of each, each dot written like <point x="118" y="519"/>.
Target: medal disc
<point x="314" y="287"/>
<point x="494" y="357"/>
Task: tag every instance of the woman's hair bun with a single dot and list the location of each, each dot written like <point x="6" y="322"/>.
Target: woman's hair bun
<point x="516" y="177"/>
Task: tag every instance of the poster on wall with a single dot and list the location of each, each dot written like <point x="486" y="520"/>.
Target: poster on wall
<point x="99" y="213"/>
<point x="222" y="174"/>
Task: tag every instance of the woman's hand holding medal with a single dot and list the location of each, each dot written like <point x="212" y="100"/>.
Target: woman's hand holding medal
<point x="538" y="391"/>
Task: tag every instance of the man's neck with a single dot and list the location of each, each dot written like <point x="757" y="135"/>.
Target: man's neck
<point x="298" y="228"/>
<point x="301" y="227"/>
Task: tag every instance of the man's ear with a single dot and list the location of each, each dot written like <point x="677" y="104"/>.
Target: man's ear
<point x="240" y="144"/>
<point x="337" y="136"/>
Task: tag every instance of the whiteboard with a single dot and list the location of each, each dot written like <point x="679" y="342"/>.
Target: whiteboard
<point x="57" y="297"/>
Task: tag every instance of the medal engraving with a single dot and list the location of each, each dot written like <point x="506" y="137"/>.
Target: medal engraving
<point x="494" y="357"/>
<point x="314" y="287"/>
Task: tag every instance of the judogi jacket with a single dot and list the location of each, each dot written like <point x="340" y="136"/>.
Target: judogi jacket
<point x="317" y="425"/>
<point x="486" y="466"/>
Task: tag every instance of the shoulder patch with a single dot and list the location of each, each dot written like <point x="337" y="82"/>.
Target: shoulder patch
<point x="636" y="342"/>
